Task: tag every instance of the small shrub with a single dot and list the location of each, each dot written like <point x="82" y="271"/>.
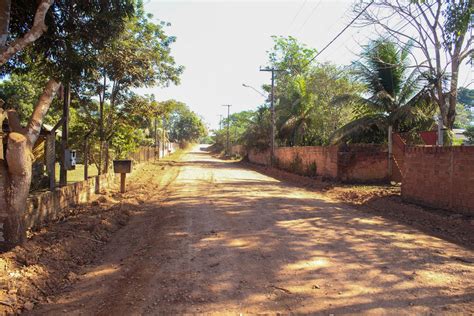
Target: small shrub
<point x="296" y="166"/>
<point x="312" y="169"/>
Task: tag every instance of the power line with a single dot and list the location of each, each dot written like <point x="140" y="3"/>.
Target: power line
<point x="401" y="28"/>
<point x="297" y="13"/>
<point x="310" y="15"/>
<point x="340" y="33"/>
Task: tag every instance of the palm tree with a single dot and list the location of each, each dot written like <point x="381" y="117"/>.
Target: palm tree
<point x="395" y="100"/>
<point x="296" y="113"/>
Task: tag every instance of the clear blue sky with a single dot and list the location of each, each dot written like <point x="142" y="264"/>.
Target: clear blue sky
<point x="222" y="44"/>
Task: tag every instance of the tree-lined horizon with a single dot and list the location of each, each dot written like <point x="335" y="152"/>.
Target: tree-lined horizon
<point x="387" y="86"/>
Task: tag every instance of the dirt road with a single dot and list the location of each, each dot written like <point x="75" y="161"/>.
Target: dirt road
<point x="211" y="236"/>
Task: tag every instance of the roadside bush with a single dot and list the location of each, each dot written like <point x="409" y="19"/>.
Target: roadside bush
<point x="312" y="169"/>
<point x="296" y="166"/>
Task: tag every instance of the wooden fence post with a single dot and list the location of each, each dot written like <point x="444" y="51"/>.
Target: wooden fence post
<point x="50" y="159"/>
<point x="86" y="158"/>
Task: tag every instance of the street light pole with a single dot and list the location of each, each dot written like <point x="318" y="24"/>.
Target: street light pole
<point x="227" y="151"/>
<point x="259" y="92"/>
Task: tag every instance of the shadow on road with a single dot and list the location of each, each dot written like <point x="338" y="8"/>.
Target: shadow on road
<point x="228" y="239"/>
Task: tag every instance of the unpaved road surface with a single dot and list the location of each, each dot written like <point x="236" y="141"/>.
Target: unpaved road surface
<point x="214" y="237"/>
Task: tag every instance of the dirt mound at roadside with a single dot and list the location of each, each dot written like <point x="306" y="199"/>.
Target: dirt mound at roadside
<point x="53" y="255"/>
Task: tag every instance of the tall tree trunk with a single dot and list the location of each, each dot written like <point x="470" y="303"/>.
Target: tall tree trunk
<point x="453" y="91"/>
<point x="101" y="123"/>
<point x="3" y="169"/>
<point x="19" y="158"/>
<point x="15" y="175"/>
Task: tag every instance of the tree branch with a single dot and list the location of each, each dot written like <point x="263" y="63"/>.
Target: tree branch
<point x="42" y="106"/>
<point x="38" y="28"/>
<point x="465" y="54"/>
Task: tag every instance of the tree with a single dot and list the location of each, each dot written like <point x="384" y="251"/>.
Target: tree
<point x="304" y="90"/>
<point x="238" y="124"/>
<point x="464" y="116"/>
<point x="437" y="29"/>
<point x="139" y="56"/>
<point x="29" y="36"/>
<point x="63" y="36"/>
<point x="184" y="125"/>
<point x="307" y="115"/>
<point x="257" y="134"/>
<point x="466" y="96"/>
<point x="395" y="100"/>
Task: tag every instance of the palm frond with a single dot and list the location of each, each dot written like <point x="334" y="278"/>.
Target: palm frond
<point x="418" y="110"/>
<point x="358" y="127"/>
<point x="409" y="87"/>
<point x="344" y="99"/>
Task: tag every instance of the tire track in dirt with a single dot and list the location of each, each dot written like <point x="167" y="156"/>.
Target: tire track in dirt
<point x="219" y="238"/>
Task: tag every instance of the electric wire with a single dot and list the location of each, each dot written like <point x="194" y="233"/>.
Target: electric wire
<point x="297" y="13"/>
<point x="341" y="32"/>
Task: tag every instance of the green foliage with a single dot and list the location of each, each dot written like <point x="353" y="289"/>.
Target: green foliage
<point x="77" y="32"/>
<point x="127" y="139"/>
<point x="21" y="92"/>
<point x="469" y="133"/>
<point x="457" y="15"/>
<point x="394" y="96"/>
<point x="257" y="134"/>
<point x="185" y="126"/>
<point x="466" y="96"/>
<point x="304" y="90"/>
<point x="206" y="140"/>
<point x="306" y="114"/>
<point x="464" y="116"/>
<point x="139" y="56"/>
<point x="238" y="125"/>
<point x="290" y="56"/>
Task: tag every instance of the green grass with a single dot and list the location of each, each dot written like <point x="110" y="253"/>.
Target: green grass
<point x="77" y="174"/>
<point x="457" y="142"/>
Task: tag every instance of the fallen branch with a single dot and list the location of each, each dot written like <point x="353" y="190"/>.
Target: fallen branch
<point x="281" y="289"/>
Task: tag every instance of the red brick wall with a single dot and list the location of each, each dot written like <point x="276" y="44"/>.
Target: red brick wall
<point x="363" y="163"/>
<point x="259" y="157"/>
<point x="354" y="163"/>
<point x="238" y="150"/>
<point x="304" y="160"/>
<point x="441" y="177"/>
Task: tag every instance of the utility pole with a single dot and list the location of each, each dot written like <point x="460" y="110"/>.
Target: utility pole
<point x="227" y="151"/>
<point x="220" y="121"/>
<point x="163" y="135"/>
<point x="157" y="148"/>
<point x="272" y="110"/>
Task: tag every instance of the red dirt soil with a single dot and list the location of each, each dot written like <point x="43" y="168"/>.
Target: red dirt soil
<point x="202" y="235"/>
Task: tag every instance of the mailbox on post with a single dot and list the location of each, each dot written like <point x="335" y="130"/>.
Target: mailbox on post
<point x="123" y="167"/>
